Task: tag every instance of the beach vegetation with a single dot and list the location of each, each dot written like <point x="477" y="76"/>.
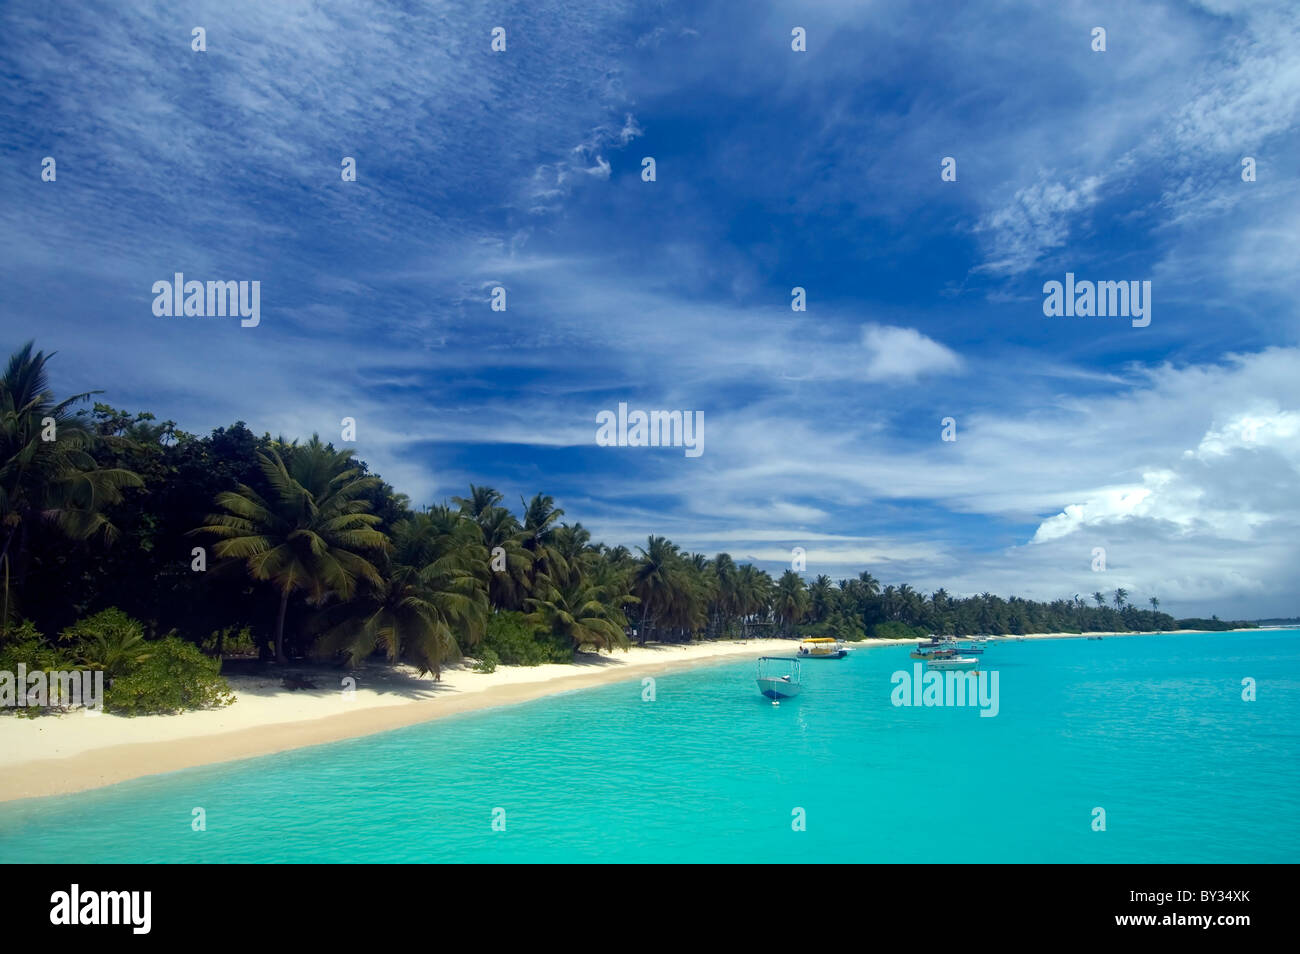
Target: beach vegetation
<point x="306" y="553"/>
<point x="174" y="676"/>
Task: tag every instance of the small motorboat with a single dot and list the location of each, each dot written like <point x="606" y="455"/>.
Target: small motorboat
<point x="778" y="677"/>
<point x="952" y="662"/>
<point x="822" y="647"/>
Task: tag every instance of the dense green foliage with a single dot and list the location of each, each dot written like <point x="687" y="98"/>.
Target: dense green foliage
<point x="140" y="677"/>
<point x="1214" y="625"/>
<point x="231" y="540"/>
<point x="174" y="676"/>
<point x="893" y="629"/>
<point x="517" y="642"/>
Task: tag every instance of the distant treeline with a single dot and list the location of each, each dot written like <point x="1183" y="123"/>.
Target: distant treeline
<point x="234" y="541"/>
<point x="1215" y="625"/>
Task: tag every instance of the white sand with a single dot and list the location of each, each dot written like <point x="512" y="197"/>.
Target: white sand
<point x="75" y="751"/>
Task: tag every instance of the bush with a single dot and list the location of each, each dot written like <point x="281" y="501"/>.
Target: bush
<point x="487" y="660"/>
<point x="110" y="640"/>
<point x="516" y="642"/>
<point x="27" y="646"/>
<point x="174" y="676"/>
<point x="231" y="641"/>
<point x="896" y="630"/>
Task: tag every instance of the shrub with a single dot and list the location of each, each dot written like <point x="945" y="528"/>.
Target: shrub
<point x="27" y="646"/>
<point x="174" y="676"/>
<point x="110" y="640"/>
<point x="516" y="642"/>
<point x="487" y="660"/>
<point x="231" y="641"/>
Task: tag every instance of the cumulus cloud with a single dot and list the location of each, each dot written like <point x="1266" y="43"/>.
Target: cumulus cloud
<point x="895" y="353"/>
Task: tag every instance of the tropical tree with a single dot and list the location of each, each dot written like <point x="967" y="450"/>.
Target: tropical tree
<point x="433" y="589"/>
<point x="1121" y="595"/>
<point x="540" y="517"/>
<point x="580" y="610"/>
<point x="48" y="476"/>
<point x="312" y="536"/>
<point x="1155" y="603"/>
<point x="656" y="582"/>
<point x="753" y="594"/>
<point x="791" y="599"/>
<point x="821" y="598"/>
<point x="510" y="562"/>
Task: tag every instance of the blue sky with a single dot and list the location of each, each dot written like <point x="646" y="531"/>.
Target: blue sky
<point x="1176" y="447"/>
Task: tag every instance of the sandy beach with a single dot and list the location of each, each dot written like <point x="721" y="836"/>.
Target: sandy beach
<point x="75" y="751"/>
<point x="52" y="755"/>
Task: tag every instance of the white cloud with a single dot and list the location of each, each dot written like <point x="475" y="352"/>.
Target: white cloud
<point x="895" y="353"/>
<point x="1036" y="219"/>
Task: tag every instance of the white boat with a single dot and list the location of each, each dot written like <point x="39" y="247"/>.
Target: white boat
<point x="777" y="681"/>
<point x="952" y="662"/>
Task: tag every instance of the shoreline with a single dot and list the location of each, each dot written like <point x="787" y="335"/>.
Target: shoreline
<point x="73" y="752"/>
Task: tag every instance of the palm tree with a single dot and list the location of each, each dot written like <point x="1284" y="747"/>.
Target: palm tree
<point x="657" y="581"/>
<point x="432" y="590"/>
<point x="725" y="577"/>
<point x="579" y="610"/>
<point x="47" y="473"/>
<point x="540" y="515"/>
<point x="510" y="578"/>
<point x="1121" y="595"/>
<point x="791" y="599"/>
<point x="1099" y="599"/>
<point x="310" y="536"/>
<point x="753" y="593"/>
<point x="821" y="598"/>
<point x="1155" y="603"/>
<point x="480" y="502"/>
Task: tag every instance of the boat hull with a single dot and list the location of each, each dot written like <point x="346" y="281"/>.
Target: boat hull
<point x="954" y="662"/>
<point x="773" y="688"/>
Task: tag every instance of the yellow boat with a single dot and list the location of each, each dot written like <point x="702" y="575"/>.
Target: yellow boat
<point x="822" y="647"/>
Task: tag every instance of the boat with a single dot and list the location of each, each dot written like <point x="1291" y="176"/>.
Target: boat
<point x="928" y="649"/>
<point x="778" y="677"/>
<point x="946" y="654"/>
<point x="1098" y="638"/>
<point x="822" y="647"/>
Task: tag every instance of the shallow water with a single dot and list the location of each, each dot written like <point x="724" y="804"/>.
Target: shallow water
<point x="1153" y="730"/>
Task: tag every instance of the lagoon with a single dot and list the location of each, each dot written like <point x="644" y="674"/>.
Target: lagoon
<point x="1153" y="730"/>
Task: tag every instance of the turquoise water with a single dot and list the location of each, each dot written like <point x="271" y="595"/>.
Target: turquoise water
<point x="1152" y="729"/>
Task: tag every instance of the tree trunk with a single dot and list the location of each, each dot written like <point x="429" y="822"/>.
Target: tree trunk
<point x="280" y="657"/>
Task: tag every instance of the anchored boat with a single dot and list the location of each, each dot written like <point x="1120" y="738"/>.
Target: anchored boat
<point x="943" y="654"/>
<point x="822" y="647"/>
<point x="778" y="677"/>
